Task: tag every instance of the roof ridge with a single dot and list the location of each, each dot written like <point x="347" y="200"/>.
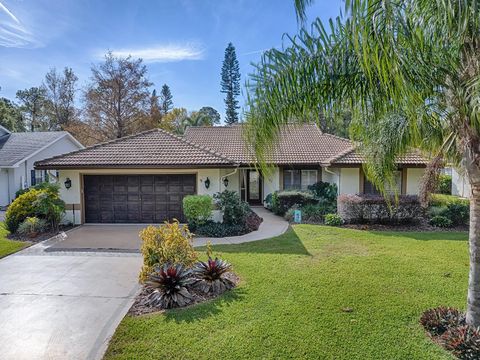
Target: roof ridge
<point x="197" y="146"/>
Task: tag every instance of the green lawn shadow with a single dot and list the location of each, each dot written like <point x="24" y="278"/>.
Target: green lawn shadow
<point x="209" y="308"/>
<point x="287" y="243"/>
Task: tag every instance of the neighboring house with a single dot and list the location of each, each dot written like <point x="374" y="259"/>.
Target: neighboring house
<point x="460" y="184"/>
<point x="18" y="153"/>
<point x="143" y="178"/>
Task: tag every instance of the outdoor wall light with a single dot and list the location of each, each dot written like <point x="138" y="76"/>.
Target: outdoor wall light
<point x="225" y="182"/>
<point x="68" y="183"/>
<point x="207" y="183"/>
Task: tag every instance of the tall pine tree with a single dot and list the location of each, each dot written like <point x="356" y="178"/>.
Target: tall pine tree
<point x="166" y="102"/>
<point x="231" y="84"/>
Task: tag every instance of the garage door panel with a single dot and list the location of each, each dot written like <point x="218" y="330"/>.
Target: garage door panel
<point x="136" y="198"/>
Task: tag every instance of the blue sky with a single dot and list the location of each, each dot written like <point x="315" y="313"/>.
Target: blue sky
<point x="181" y="41"/>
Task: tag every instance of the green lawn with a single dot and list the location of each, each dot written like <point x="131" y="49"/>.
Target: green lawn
<point x="293" y="289"/>
<point x="8" y="246"/>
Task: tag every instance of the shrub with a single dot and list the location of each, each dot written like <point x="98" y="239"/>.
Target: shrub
<point x="170" y="286"/>
<point x="438" y="320"/>
<point x="21" y="208"/>
<point x="315" y="213"/>
<point x="216" y="230"/>
<point x="168" y="243"/>
<point x="444" y="200"/>
<point x="324" y="191"/>
<point x="275" y="203"/>
<point x="286" y="199"/>
<point x="233" y="208"/>
<point x="441" y="221"/>
<point x="375" y="209"/>
<point x="210" y="276"/>
<point x="444" y="185"/>
<point x="268" y="202"/>
<point x="252" y="222"/>
<point x="49" y="205"/>
<point x="42" y="186"/>
<point x="197" y="208"/>
<point x="31" y="226"/>
<point x="463" y="342"/>
<point x="333" y="220"/>
<point x="458" y="213"/>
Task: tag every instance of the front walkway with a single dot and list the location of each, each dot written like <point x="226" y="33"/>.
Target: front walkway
<point x="271" y="226"/>
<point x="124" y="238"/>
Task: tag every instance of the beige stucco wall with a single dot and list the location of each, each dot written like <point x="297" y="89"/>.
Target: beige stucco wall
<point x="414" y="177"/>
<point x="271" y="182"/>
<point x="73" y="195"/>
<point x="349" y="181"/>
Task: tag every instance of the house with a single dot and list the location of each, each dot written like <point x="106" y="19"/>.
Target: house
<point x="143" y="178"/>
<point x="18" y="153"/>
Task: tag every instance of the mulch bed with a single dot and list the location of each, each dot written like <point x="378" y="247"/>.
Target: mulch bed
<point x="40" y="237"/>
<point x="139" y="308"/>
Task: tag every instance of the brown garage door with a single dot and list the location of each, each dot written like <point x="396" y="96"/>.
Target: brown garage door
<point x="136" y="198"/>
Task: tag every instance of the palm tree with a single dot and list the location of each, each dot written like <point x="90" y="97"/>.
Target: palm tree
<point x="408" y="71"/>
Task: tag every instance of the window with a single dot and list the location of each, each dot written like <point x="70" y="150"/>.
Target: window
<point x="299" y="179"/>
<point x="291" y="179"/>
<point x="38" y="176"/>
<point x="369" y="188"/>
<point x="309" y="177"/>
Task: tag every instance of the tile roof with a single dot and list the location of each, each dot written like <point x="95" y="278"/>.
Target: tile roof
<point x="151" y="149"/>
<point x="298" y="144"/>
<point x="352" y="157"/>
<point x="213" y="147"/>
<point x="15" y="147"/>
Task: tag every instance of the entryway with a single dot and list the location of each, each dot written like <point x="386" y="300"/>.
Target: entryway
<point x="252" y="186"/>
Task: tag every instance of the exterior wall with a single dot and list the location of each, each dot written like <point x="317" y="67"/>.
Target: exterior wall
<point x="233" y="179"/>
<point x="460" y="185"/>
<point x="73" y="196"/>
<point x="20" y="176"/>
<point x="334" y="178"/>
<point x="349" y="182"/>
<point x="271" y="183"/>
<point x="414" y="178"/>
<point x="4" y="187"/>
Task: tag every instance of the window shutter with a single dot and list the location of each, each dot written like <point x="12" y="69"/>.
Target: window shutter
<point x="32" y="177"/>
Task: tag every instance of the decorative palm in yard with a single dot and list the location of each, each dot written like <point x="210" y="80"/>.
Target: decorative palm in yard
<point x="409" y="74"/>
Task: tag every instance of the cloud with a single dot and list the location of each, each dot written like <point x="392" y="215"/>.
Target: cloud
<point x="163" y="53"/>
<point x="12" y="32"/>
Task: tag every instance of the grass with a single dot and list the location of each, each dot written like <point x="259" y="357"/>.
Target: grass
<point x="292" y="295"/>
<point x="8" y="247"/>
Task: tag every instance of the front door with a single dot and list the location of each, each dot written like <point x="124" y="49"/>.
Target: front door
<point x="254" y="187"/>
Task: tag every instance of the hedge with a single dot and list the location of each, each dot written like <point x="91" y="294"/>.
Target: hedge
<point x="362" y="209"/>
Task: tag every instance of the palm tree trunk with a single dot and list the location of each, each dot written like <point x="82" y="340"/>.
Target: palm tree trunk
<point x="473" y="299"/>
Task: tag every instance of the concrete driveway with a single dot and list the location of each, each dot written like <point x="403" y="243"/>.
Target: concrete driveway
<point x="123" y="238"/>
<point x="63" y="305"/>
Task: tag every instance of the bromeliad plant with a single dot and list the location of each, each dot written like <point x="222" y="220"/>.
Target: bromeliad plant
<point x="210" y="276"/>
<point x="170" y="286"/>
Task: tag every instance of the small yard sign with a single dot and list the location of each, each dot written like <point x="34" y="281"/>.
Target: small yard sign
<point x="297" y="216"/>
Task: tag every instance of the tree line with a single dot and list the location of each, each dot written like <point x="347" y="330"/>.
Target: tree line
<point x="116" y="102"/>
